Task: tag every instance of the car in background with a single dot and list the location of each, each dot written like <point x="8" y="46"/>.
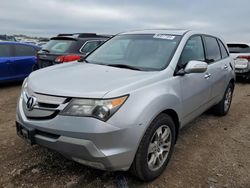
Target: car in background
<point x="7" y="38"/>
<point x="42" y="42"/>
<point x="68" y="47"/>
<point x="16" y="60"/>
<point x="241" y="54"/>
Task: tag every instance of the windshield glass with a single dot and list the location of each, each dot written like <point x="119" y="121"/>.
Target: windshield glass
<point x="144" y="51"/>
<point x="58" y="46"/>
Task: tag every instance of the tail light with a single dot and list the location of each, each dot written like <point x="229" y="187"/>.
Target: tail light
<point x="67" y="58"/>
<point x="244" y="57"/>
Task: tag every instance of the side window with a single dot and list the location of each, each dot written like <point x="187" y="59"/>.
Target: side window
<point x="212" y="49"/>
<point x="90" y="46"/>
<point x="193" y="50"/>
<point x="23" y="50"/>
<point x="223" y="50"/>
<point x="5" y="50"/>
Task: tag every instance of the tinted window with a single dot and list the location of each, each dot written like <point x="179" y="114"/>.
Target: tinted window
<point x="193" y="50"/>
<point x="23" y="50"/>
<point x="5" y="50"/>
<point x="144" y="52"/>
<point x="58" y="46"/>
<point x="238" y="48"/>
<point x="212" y="49"/>
<point x="223" y="50"/>
<point x="90" y="46"/>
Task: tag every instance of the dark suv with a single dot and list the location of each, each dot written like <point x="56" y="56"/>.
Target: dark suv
<point x="68" y="47"/>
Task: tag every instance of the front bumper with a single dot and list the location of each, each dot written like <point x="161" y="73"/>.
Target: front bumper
<point x="85" y="140"/>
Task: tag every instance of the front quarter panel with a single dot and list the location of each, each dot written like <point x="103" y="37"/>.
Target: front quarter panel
<point x="145" y="103"/>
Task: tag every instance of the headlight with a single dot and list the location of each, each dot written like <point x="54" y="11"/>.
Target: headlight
<point x="101" y="109"/>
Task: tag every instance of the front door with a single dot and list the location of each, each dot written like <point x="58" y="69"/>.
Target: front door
<point x="195" y="87"/>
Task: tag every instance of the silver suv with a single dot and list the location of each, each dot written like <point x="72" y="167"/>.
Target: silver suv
<point x="123" y="106"/>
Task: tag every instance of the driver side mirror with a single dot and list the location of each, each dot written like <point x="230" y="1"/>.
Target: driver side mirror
<point x="196" y="67"/>
<point x="193" y="66"/>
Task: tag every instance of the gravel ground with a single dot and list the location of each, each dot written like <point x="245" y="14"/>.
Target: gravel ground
<point x="211" y="152"/>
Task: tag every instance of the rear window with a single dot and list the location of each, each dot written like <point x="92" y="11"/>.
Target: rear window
<point x="238" y="48"/>
<point x="58" y="46"/>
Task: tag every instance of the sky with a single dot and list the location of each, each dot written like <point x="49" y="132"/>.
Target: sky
<point x="226" y="18"/>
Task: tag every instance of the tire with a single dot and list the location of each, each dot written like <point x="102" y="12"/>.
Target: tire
<point x="221" y="109"/>
<point x="144" y="156"/>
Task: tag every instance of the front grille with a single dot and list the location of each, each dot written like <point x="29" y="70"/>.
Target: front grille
<point x="44" y="107"/>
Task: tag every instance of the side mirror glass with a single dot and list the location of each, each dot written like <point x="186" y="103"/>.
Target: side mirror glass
<point x="195" y="67"/>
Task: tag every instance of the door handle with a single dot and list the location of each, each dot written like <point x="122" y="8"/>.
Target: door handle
<point x="207" y="76"/>
<point x="225" y="66"/>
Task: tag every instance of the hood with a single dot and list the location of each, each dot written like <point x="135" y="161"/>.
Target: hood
<point x="83" y="80"/>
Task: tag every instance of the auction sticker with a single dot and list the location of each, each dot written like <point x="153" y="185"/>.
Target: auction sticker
<point x="164" y="36"/>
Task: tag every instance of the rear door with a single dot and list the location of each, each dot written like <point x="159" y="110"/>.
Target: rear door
<point x="195" y="88"/>
<point x="218" y="67"/>
<point x="24" y="59"/>
<point x="6" y="54"/>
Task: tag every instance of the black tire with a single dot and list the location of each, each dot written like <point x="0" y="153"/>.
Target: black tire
<point x="140" y="167"/>
<point x="220" y="109"/>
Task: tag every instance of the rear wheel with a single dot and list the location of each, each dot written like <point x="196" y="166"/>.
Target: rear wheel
<point x="155" y="149"/>
<point x="223" y="106"/>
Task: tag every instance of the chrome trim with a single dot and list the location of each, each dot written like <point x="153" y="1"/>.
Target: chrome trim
<point x="46" y="99"/>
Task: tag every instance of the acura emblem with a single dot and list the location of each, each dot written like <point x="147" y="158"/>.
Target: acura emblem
<point x="31" y="103"/>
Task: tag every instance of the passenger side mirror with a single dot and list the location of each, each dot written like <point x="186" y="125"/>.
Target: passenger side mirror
<point x="195" y="67"/>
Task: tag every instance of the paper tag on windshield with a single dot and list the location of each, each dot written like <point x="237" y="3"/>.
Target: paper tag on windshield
<point x="164" y="36"/>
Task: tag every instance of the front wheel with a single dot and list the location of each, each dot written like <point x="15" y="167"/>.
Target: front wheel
<point x="223" y="106"/>
<point x="155" y="149"/>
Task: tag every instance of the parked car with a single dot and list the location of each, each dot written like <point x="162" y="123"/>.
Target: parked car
<point x="241" y="53"/>
<point x="7" y="38"/>
<point x="16" y="60"/>
<point x="68" y="47"/>
<point x="122" y="108"/>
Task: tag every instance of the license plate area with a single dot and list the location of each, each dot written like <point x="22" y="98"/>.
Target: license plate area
<point x="26" y="134"/>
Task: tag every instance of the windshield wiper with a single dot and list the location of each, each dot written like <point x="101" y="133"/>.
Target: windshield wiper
<point x="123" y="66"/>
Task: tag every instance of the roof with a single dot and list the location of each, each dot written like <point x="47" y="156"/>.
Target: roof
<point x="80" y="36"/>
<point x="158" y="31"/>
<point x="23" y="43"/>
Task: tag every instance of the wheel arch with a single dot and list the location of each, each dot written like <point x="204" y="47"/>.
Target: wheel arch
<point x="232" y="81"/>
<point x="173" y="114"/>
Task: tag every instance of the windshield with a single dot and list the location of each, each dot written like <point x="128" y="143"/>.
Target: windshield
<point x="144" y="52"/>
<point x="58" y="46"/>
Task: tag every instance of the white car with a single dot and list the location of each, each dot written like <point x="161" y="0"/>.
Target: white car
<point x="241" y="54"/>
